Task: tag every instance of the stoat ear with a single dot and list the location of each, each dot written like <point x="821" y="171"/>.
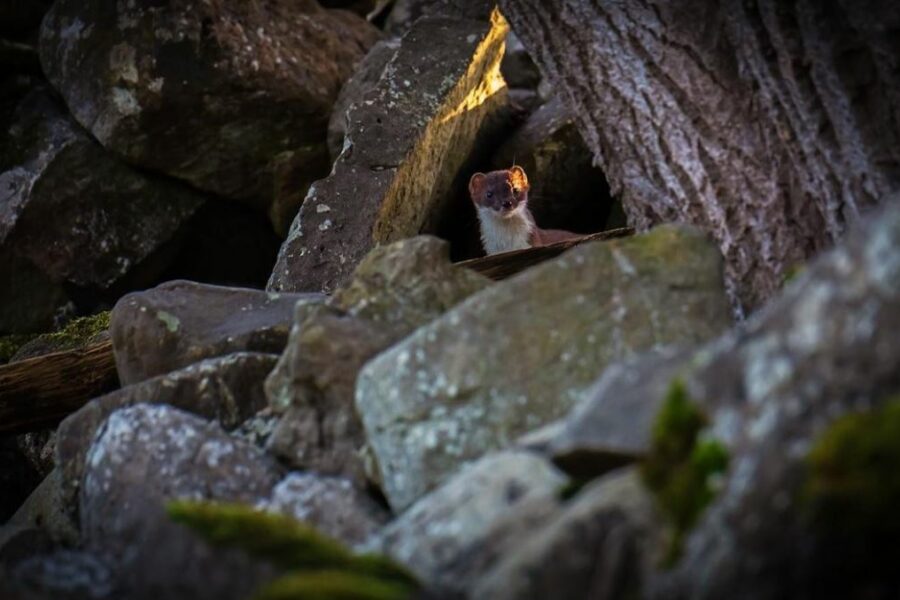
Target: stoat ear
<point x="518" y="178"/>
<point x="476" y="185"/>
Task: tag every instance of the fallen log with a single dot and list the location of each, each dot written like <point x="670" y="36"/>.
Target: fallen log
<point x="38" y="392"/>
<point x="506" y="264"/>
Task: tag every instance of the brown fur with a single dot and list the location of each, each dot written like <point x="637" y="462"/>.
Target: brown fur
<point x="501" y="198"/>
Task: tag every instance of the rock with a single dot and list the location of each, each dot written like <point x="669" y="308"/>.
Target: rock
<point x="232" y="97"/>
<point x="567" y="191"/>
<point x="406" y="12"/>
<point x="64" y="575"/>
<point x="141" y="457"/>
<point x="37" y="448"/>
<point x="407" y="141"/>
<point x="367" y="74"/>
<point x="594" y="549"/>
<point x="73" y="214"/>
<point x="179" y="323"/>
<point x="227" y="389"/>
<point x="455" y="533"/>
<point x="826" y="347"/>
<point x="431" y="403"/>
<point x="610" y="427"/>
<point x="517" y="68"/>
<point x="20" y="542"/>
<point x="332" y="505"/>
<point x="48" y="509"/>
<point x="394" y="290"/>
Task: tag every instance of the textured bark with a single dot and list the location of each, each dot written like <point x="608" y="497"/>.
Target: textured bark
<point x="40" y="391"/>
<point x="771" y="125"/>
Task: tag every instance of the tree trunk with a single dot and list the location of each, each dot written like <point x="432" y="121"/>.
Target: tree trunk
<point x="770" y="124"/>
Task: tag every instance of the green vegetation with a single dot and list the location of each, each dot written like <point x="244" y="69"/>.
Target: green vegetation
<point x="319" y="567"/>
<point x="77" y="333"/>
<point x="680" y="469"/>
<point x="10" y="344"/>
<point x="852" y="488"/>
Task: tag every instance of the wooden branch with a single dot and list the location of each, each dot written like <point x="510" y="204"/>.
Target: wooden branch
<point x="38" y="392"/>
<point x="506" y="264"/>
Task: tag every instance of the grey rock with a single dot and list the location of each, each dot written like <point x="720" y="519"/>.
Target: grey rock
<point x="612" y="426"/>
<point x="367" y="74"/>
<point x="49" y="510"/>
<point x="333" y="505"/>
<point x="227" y="389"/>
<point x="406" y="12"/>
<point x="597" y="548"/>
<point x="65" y="575"/>
<point x="232" y="97"/>
<point x="70" y="212"/>
<point x="145" y="455"/>
<point x="457" y="532"/>
<point x="181" y="322"/>
<point x="395" y="289"/>
<point x="543" y="337"/>
<point x="826" y="347"/>
<point x="407" y="140"/>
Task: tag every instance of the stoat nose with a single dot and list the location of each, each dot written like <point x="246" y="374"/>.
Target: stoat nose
<point x="507" y="204"/>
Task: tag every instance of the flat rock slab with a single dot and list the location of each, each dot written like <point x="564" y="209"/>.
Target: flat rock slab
<point x="524" y="351"/>
<point x="231" y="96"/>
<point x="406" y="141"/>
<point x="181" y="322"/>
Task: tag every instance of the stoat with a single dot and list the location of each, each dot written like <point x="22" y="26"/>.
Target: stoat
<point x="501" y="199"/>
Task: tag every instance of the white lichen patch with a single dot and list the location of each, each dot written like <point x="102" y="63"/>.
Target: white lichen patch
<point x="171" y="321"/>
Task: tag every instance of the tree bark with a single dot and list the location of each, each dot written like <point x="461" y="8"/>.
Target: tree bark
<point x="38" y="392"/>
<point x="770" y="124"/>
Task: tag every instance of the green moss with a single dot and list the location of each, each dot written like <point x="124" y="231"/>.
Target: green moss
<point x="681" y="469"/>
<point x="10" y="344"/>
<point x="79" y="332"/>
<point x="331" y="585"/>
<point x="792" y="272"/>
<point x="852" y="488"/>
<point x="285" y="542"/>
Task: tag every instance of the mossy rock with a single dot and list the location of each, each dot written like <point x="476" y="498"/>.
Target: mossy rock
<point x="10" y="345"/>
<point x="331" y="585"/>
<point x="681" y="468"/>
<point x="852" y="488"/>
<point x="78" y="333"/>
<point x="294" y="546"/>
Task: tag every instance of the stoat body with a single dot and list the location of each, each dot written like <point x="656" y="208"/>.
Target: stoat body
<point x="501" y="200"/>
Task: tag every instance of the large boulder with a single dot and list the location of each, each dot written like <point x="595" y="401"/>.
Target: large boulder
<point x="145" y="455"/>
<point x="181" y="322"/>
<point x="227" y="389"/>
<point x="407" y="142"/>
<point x="522" y="352"/>
<point x="452" y="536"/>
<point x="71" y="213"/>
<point x="394" y="290"/>
<point x="232" y="97"/>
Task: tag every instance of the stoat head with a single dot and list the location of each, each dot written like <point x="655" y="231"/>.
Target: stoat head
<point x="503" y="192"/>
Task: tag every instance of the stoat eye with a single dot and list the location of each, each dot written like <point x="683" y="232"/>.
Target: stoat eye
<point x="489" y="194"/>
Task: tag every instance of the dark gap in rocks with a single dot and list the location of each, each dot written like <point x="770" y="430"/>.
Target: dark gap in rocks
<point x="223" y="243"/>
<point x="18" y="477"/>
